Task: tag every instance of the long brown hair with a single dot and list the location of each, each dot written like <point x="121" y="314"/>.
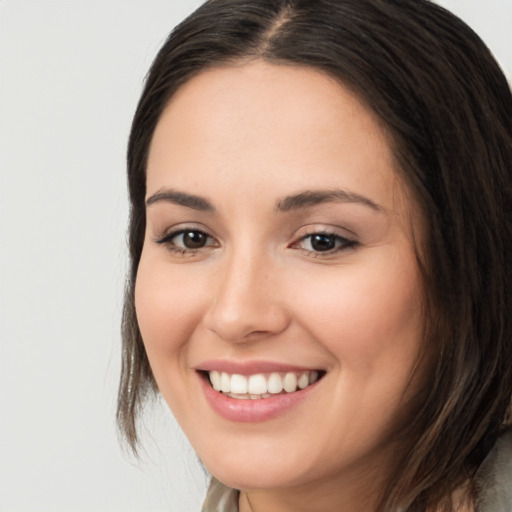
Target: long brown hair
<point x="448" y="110"/>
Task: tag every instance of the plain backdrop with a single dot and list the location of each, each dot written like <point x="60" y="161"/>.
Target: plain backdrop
<point x="70" y="76"/>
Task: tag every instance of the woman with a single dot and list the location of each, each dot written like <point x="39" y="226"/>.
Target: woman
<point x="320" y="223"/>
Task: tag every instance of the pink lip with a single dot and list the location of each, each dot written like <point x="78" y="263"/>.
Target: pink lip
<point x="253" y="411"/>
<point x="249" y="367"/>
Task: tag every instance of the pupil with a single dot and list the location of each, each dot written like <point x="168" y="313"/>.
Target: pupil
<point x="323" y="242"/>
<point x="194" y="240"/>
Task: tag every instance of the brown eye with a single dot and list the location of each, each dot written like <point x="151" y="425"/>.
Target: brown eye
<point x="321" y="242"/>
<point x="327" y="243"/>
<point x="185" y="240"/>
<point x="192" y="239"/>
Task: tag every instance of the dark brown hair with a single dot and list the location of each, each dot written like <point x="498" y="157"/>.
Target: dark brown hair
<point x="448" y="110"/>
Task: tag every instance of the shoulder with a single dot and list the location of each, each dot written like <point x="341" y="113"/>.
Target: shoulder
<point x="494" y="478"/>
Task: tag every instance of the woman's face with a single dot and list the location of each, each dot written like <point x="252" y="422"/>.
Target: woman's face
<point x="278" y="253"/>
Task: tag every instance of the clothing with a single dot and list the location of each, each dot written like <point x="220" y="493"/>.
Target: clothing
<point x="493" y="480"/>
<point x="220" y="498"/>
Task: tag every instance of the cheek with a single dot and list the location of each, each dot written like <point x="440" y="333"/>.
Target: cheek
<point x="369" y="318"/>
<point x="371" y="323"/>
<point x="167" y="310"/>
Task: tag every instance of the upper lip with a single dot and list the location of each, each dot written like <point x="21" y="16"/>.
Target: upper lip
<point x="250" y="367"/>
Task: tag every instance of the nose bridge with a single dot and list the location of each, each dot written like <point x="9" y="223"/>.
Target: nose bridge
<point x="246" y="299"/>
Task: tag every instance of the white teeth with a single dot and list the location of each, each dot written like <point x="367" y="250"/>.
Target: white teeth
<point x="225" y="380"/>
<point x="290" y="382"/>
<point x="240" y="396"/>
<point x="215" y="380"/>
<point x="238" y="384"/>
<point x="259" y="385"/>
<point x="303" y="381"/>
<point x="275" y="383"/>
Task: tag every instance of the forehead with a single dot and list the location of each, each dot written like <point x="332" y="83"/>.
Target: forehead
<point x="256" y="121"/>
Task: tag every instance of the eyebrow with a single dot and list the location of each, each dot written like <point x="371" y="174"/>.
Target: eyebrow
<point x="298" y="201"/>
<point x="311" y="198"/>
<point x="181" y="199"/>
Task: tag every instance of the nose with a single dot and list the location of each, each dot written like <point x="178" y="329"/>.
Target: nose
<point x="247" y="302"/>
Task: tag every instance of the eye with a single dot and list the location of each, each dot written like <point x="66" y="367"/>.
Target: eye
<point x="190" y="239"/>
<point x="322" y="242"/>
<point x="186" y="240"/>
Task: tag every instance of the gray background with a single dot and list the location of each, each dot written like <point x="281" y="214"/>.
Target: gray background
<point x="70" y="76"/>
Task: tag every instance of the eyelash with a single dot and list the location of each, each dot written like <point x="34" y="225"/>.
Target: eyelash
<point x="340" y="243"/>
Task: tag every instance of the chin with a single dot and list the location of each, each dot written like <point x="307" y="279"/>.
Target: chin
<point x="267" y="474"/>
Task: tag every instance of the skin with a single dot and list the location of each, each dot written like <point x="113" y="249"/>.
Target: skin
<point x="243" y="138"/>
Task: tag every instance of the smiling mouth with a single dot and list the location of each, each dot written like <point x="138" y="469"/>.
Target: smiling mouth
<point x="261" y="385"/>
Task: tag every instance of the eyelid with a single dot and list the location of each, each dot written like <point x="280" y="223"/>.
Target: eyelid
<point x="342" y="241"/>
<point x="174" y="229"/>
<point x="326" y="229"/>
<point x="166" y="237"/>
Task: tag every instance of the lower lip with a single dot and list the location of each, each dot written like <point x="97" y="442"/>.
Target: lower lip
<point x="253" y="411"/>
